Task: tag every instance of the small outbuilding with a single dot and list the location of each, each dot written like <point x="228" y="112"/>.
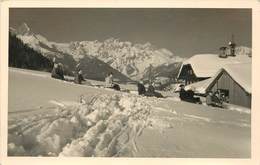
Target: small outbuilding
<point x="234" y="81"/>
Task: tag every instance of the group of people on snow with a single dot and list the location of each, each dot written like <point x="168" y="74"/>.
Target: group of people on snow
<point x="150" y="92"/>
<point x="58" y="72"/>
<point x="212" y="99"/>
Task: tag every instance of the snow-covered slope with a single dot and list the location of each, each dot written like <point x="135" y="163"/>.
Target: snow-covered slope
<point x="164" y="70"/>
<point x="46" y="119"/>
<point x="126" y="57"/>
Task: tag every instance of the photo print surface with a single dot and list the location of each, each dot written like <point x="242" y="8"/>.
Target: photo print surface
<point x="126" y="82"/>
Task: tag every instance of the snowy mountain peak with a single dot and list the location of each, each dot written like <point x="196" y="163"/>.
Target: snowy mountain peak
<point x="23" y="29"/>
<point x="130" y="59"/>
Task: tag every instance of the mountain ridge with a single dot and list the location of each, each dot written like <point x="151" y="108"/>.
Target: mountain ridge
<point x="131" y="59"/>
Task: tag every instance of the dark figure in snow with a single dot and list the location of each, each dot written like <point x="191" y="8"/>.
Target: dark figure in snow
<point x="61" y="71"/>
<point x="192" y="98"/>
<point x="151" y="88"/>
<point x="116" y="87"/>
<point x="213" y="100"/>
<point x="57" y="71"/>
<point x="188" y="95"/>
<point x="152" y="93"/>
<point x="141" y="88"/>
<point x="182" y="93"/>
<point x="109" y="83"/>
<point x="79" y="77"/>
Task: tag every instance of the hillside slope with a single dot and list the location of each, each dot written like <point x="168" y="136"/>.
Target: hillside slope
<point x="22" y="56"/>
<point x="45" y="118"/>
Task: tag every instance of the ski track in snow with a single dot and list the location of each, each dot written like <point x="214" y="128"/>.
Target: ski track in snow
<point x="198" y="117"/>
<point x="105" y="126"/>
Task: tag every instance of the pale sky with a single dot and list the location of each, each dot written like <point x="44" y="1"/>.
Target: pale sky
<point x="185" y="32"/>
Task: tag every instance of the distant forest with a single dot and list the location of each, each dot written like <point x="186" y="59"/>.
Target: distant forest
<point x="22" y="56"/>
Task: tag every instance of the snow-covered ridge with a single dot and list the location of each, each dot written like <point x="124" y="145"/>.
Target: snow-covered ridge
<point x="128" y="58"/>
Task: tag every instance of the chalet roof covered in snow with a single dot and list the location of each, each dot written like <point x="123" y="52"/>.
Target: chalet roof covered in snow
<point x="240" y="73"/>
<point x="207" y="65"/>
<point x="200" y="86"/>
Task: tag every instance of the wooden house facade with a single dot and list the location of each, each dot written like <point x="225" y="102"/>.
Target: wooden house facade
<point x="235" y="92"/>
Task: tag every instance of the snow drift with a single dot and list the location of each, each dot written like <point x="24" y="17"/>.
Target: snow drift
<point x="102" y="127"/>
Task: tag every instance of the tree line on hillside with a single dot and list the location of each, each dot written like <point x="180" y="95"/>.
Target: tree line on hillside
<point x="22" y="56"/>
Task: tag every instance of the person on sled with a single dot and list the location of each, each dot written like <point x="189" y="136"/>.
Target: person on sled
<point x="141" y="88"/>
<point x="57" y="71"/>
<point x="109" y="83"/>
<point x="79" y="77"/>
<point x="213" y="100"/>
<point x="188" y="95"/>
<point x="152" y="93"/>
